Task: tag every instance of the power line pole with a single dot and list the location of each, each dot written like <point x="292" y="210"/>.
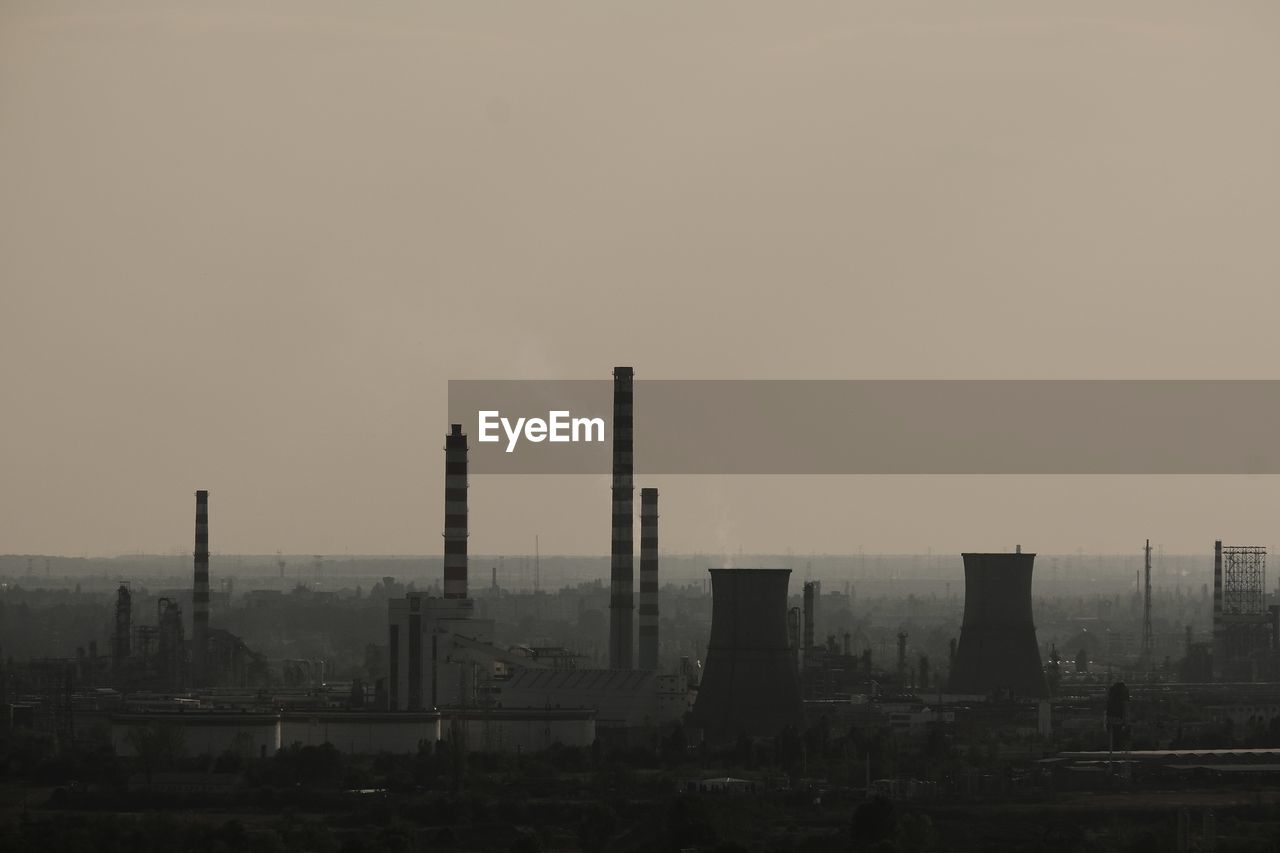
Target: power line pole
<point x="1146" y="610"/>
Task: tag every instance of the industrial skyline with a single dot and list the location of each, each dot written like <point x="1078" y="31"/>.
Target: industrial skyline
<point x="760" y="684"/>
<point x="1017" y="261"/>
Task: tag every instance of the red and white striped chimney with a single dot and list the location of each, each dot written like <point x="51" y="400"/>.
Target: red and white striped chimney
<point x="455" y="513"/>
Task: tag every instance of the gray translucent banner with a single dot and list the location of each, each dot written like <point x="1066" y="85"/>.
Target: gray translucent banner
<point x="879" y="426"/>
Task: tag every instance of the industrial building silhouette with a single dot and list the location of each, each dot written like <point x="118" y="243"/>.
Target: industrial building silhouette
<point x="750" y="684"/>
<point x="998" y="650"/>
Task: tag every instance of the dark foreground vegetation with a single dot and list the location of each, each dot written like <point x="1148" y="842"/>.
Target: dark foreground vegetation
<point x="84" y="797"/>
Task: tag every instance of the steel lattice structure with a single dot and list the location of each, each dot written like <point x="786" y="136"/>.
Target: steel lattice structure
<point x="1244" y="580"/>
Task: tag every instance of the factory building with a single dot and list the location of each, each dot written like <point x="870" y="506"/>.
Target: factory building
<point x="427" y="667"/>
<point x="260" y="735"/>
<point x="200" y="732"/>
<point x="360" y="733"/>
<point x="438" y="652"/>
<point x="621" y="698"/>
<point x="519" y="729"/>
<point x="161" y="656"/>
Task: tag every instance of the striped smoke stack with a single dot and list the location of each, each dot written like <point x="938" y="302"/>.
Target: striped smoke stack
<point x="648" y="579"/>
<point x="455" y="513"/>
<point x="622" y="562"/>
<point x="200" y="593"/>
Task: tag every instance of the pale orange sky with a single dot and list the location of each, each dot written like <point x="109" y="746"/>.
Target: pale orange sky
<point x="244" y="246"/>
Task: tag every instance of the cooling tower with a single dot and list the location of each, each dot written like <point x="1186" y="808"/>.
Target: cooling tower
<point x="648" y="649"/>
<point x="455" y="513"/>
<point x="622" y="551"/>
<point x="750" y="684"/>
<point x="200" y="593"/>
<point x="998" y="649"/>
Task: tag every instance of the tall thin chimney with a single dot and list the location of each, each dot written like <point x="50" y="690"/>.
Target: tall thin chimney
<point x="622" y="561"/>
<point x="902" y="652"/>
<point x="808" y="616"/>
<point x="455" y="513"/>
<point x="1219" y="627"/>
<point x="124" y="628"/>
<point x="648" y="579"/>
<point x="200" y="593"/>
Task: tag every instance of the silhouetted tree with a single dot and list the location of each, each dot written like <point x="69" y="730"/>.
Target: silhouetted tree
<point x="744" y="751"/>
<point x="873" y="821"/>
<point x="788" y="749"/>
<point x="687" y="826"/>
<point x="156" y="746"/>
<point x="675" y="745"/>
<point x="526" y="844"/>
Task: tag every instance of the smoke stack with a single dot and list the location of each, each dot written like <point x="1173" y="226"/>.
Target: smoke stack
<point x="648" y="579"/>
<point x="1219" y="627"/>
<point x="124" y="627"/>
<point x="902" y="657"/>
<point x="793" y="633"/>
<point x="750" y="684"/>
<point x="200" y="594"/>
<point x="808" y="616"/>
<point x="998" y="649"/>
<point x="622" y="551"/>
<point x="455" y="513"/>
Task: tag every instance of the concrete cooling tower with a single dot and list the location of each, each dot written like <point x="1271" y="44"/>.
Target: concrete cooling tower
<point x="750" y="684"/>
<point x="998" y="649"/>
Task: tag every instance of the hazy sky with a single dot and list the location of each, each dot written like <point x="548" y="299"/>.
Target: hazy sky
<point x="244" y="246"/>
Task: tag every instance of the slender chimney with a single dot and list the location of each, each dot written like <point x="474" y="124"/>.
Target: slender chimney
<point x="622" y="561"/>
<point x="200" y="594"/>
<point x="1219" y="628"/>
<point x="124" y="627"/>
<point x="902" y="652"/>
<point x="808" y="616"/>
<point x="648" y="579"/>
<point x="455" y="513"/>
